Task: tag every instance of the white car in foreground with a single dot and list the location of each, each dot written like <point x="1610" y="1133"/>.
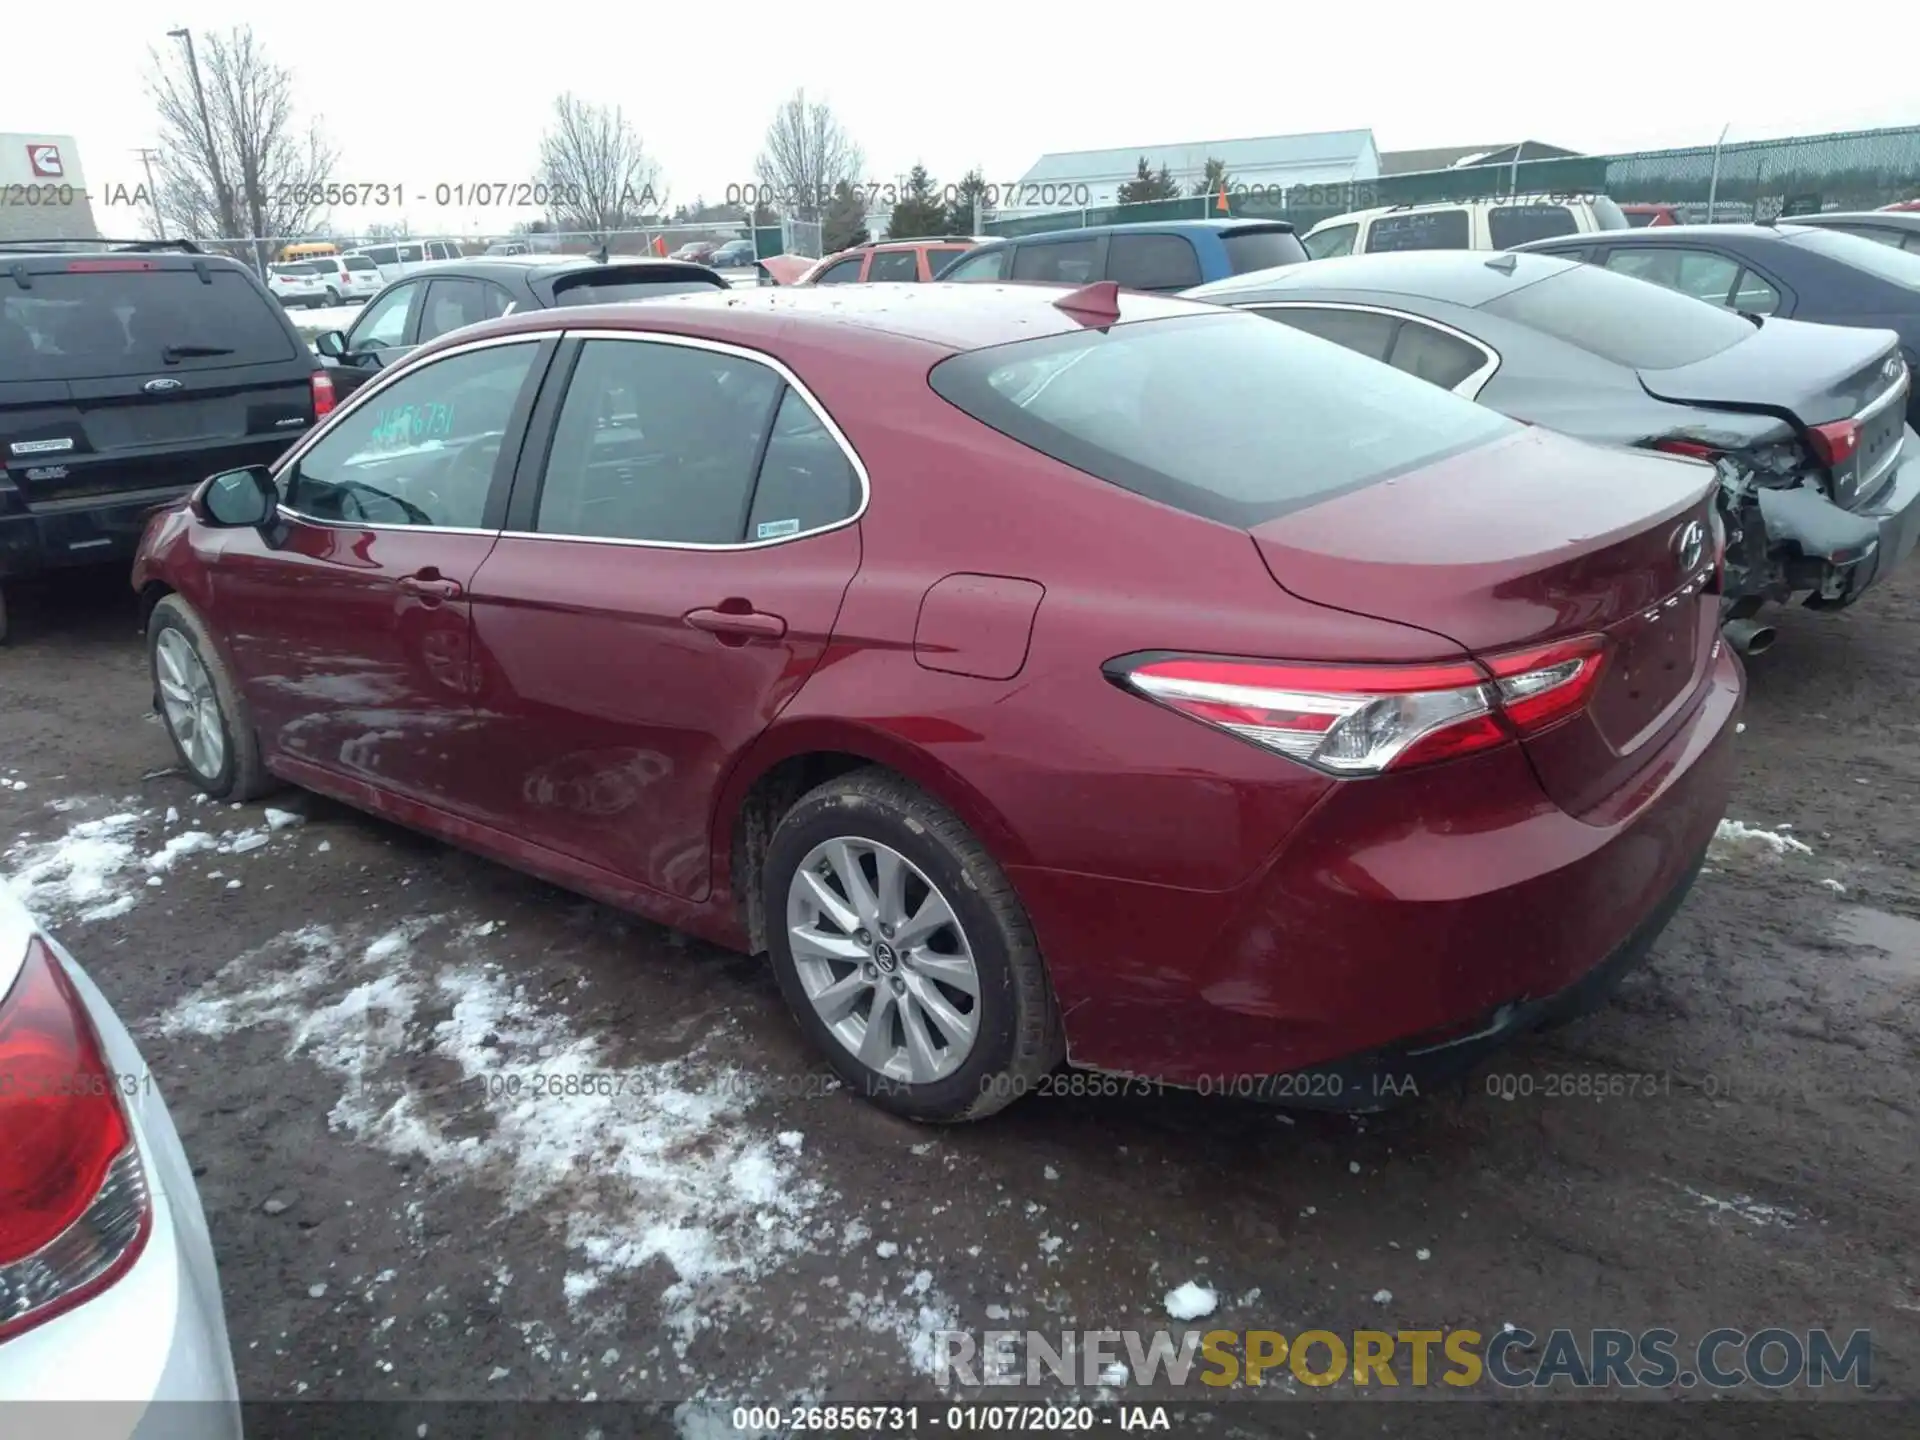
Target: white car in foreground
<point x="108" y="1291"/>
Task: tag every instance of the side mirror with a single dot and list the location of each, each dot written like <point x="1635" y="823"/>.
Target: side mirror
<point x="236" y="499"/>
<point x="332" y="344"/>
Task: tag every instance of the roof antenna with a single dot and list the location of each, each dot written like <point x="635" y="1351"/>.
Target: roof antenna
<point x="1503" y="262"/>
<point x="1097" y="304"/>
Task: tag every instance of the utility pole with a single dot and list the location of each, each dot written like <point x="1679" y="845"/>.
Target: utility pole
<point x="223" y="196"/>
<point x="153" y="192"/>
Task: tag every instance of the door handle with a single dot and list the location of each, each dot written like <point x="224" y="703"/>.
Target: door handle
<point x="742" y="623"/>
<point x="430" y="585"/>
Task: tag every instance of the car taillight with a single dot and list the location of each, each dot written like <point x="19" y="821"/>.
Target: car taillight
<point x="1691" y="448"/>
<point x="322" y="394"/>
<point x="74" y="1208"/>
<point x="1835" y="443"/>
<point x="1366" y="719"/>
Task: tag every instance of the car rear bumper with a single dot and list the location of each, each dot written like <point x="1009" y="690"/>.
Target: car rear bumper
<point x="1896" y="514"/>
<point x="150" y="1352"/>
<point x="1457" y="904"/>
<point x="85" y="531"/>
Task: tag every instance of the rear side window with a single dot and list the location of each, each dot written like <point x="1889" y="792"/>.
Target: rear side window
<point x="1286" y="420"/>
<point x="1152" y="262"/>
<point x="806" y="482"/>
<point x="97" y="324"/>
<point x="1361" y="331"/>
<point x="938" y="260"/>
<point x="894" y="265"/>
<point x="384" y="255"/>
<point x="1517" y="224"/>
<point x="409" y="254"/>
<point x="360" y="262"/>
<point x="1433" y="355"/>
<point x="1623" y="320"/>
<point x="1069" y="262"/>
<point x="1419" y="230"/>
<point x="1249" y="250"/>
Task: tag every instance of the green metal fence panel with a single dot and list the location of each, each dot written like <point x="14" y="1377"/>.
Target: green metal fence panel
<point x="1762" y="179"/>
<point x="767" y="240"/>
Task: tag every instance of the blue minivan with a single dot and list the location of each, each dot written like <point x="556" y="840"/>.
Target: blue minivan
<point x="1152" y="255"/>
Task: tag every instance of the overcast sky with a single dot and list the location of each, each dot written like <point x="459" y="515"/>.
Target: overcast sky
<point x="442" y="92"/>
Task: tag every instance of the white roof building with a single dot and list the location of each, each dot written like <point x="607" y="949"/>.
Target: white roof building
<point x="1074" y="179"/>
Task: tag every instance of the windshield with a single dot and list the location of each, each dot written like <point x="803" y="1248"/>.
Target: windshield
<point x="87" y="325"/>
<point x="1894" y="266"/>
<point x="1630" y="322"/>
<point x="1230" y="417"/>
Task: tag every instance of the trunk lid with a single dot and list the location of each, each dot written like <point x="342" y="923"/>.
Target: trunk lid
<point x="1809" y="375"/>
<point x="1533" y="538"/>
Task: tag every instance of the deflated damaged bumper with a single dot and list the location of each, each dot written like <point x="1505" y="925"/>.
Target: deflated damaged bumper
<point x="1861" y="546"/>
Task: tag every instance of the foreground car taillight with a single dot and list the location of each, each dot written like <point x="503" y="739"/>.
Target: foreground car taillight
<point x="323" y="400"/>
<point x="74" y="1209"/>
<point x="1834" y="444"/>
<point x="1365" y="719"/>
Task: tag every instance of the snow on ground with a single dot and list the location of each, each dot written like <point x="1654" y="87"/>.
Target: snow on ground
<point x="667" y="1167"/>
<point x="1733" y="837"/>
<point x="90" y="873"/>
<point x="328" y="317"/>
<point x="1745" y="1207"/>
<point x="1191" y="1301"/>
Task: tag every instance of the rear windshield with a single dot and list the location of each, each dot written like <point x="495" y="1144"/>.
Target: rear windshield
<point x="1895" y="266"/>
<point x="109" y="323"/>
<point x="1630" y="322"/>
<point x="294" y="267"/>
<point x="613" y="289"/>
<point x="1249" y="250"/>
<point x="1229" y="416"/>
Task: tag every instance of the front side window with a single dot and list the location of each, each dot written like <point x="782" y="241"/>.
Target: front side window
<point x="987" y="264"/>
<point x="1152" y="262"/>
<point x="659" y="443"/>
<point x="1067" y="262"/>
<point x="421" y="451"/>
<point x="1287" y="421"/>
<point x="938" y="260"/>
<point x="452" y="304"/>
<point x="1419" y="230"/>
<point x="845" y="273"/>
<point x="1326" y="244"/>
<point x="383" y="324"/>
<point x="894" y="265"/>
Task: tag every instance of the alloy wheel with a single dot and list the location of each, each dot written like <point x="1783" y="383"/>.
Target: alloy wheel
<point x="883" y="959"/>
<point x="192" y="709"/>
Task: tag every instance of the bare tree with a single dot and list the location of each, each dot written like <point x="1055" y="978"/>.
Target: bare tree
<point x="807" y="153"/>
<point x="596" y="170"/>
<point x="234" y="163"/>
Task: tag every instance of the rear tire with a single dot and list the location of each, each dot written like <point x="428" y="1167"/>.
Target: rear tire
<point x="333" y="296"/>
<point x="945" y="1054"/>
<point x="201" y="706"/>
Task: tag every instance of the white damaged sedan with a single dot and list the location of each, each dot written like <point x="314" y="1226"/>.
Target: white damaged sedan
<point x="108" y="1290"/>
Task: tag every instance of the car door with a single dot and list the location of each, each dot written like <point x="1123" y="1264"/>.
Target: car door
<point x="662" y="590"/>
<point x="348" y="621"/>
<point x="382" y="333"/>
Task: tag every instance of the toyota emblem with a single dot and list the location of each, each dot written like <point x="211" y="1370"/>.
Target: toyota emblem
<point x="1690" y="543"/>
<point x="165" y="385"/>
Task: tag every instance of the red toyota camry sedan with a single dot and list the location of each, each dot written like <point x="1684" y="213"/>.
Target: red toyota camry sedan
<point x="1034" y="675"/>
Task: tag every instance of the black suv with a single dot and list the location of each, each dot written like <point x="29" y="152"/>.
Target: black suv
<point x="129" y="372"/>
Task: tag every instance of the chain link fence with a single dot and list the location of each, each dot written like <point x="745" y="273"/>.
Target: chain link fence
<point x="656" y="240"/>
<point x="1753" y="180"/>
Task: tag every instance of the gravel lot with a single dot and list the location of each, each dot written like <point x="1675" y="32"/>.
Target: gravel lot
<point x="339" y="1010"/>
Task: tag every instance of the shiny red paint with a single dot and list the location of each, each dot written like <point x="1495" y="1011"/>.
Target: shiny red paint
<point x="1204" y="906"/>
<point x="931" y="257"/>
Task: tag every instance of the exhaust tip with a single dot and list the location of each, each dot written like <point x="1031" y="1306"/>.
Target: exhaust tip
<point x="1749" y="637"/>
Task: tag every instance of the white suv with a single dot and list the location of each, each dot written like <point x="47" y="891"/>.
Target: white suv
<point x="347" y="277"/>
<point x="402" y="257"/>
<point x="1462" y="224"/>
<point x="293" y="282"/>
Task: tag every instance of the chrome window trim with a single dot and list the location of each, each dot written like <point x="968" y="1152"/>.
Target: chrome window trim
<point x="740" y="352"/>
<point x="1468" y="389"/>
<point x="360" y="397"/>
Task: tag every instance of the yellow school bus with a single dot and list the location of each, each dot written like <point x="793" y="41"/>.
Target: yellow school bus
<point x="306" y="250"/>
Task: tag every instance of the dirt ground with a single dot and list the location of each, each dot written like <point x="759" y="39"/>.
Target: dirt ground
<point x="351" y="1024"/>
